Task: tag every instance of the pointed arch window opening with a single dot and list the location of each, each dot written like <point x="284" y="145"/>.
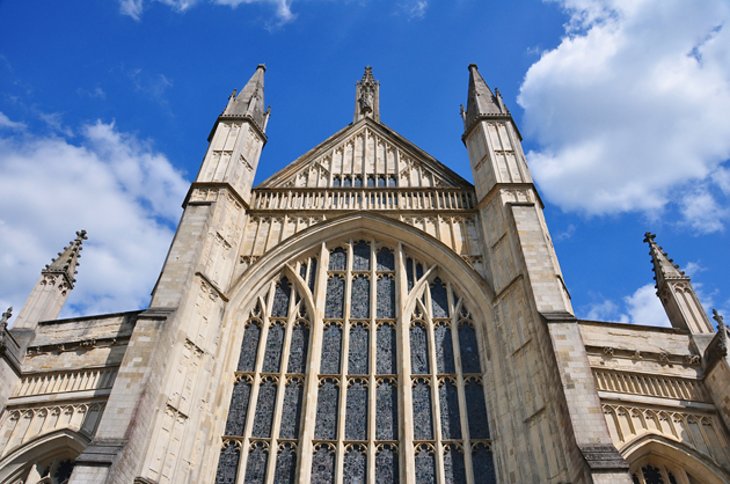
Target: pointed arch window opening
<point x="360" y="361"/>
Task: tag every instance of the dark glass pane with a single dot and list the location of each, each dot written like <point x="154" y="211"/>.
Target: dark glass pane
<point x="264" y="409"/>
<point x="292" y="411"/>
<point x="358" y="359"/>
<point x="303" y="270"/>
<point x="652" y="475"/>
<point x="419" y="349"/>
<point x="355" y="465"/>
<point x="347" y="182"/>
<point x="425" y="467"/>
<point x="419" y="270"/>
<point x="371" y="182"/>
<point x="256" y="464"/>
<point x="386" y="465"/>
<point x="360" y="300"/>
<point x="298" y="348"/>
<point x="392" y="181"/>
<point x="386" y="297"/>
<point x="386" y="259"/>
<point x="334" y="307"/>
<point x="449" y="403"/>
<point x="386" y="415"/>
<point x="454" y="469"/>
<point x="312" y="274"/>
<point x="331" y="349"/>
<point x="239" y="408"/>
<point x="326" y="426"/>
<point x="422" y="423"/>
<point x="481" y="458"/>
<point x="409" y="273"/>
<point x="227" y="465"/>
<point x="476" y="410"/>
<point x="361" y="256"/>
<point x="444" y="349"/>
<point x="250" y="345"/>
<point x="274" y="343"/>
<point x="286" y="463"/>
<point x="357" y="182"/>
<point x="356" y="417"/>
<point x="338" y="259"/>
<point x="336" y="182"/>
<point x="386" y="350"/>
<point x="323" y="466"/>
<point x="381" y="182"/>
<point x="439" y="301"/>
<point x="469" y="349"/>
<point x="282" y="293"/>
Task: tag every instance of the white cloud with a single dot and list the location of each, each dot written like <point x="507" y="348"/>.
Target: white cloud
<point x="631" y="107"/>
<point x="7" y="123"/>
<point x="112" y="184"/>
<point x="644" y="307"/>
<point x="605" y="310"/>
<point x="134" y="8"/>
<point x="414" y="9"/>
<point x="702" y="212"/>
<point x="283" y="7"/>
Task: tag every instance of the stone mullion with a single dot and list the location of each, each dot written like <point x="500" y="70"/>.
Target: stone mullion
<point x="281" y="387"/>
<point x="433" y="378"/>
<point x="372" y="362"/>
<point x="253" y="398"/>
<point x="344" y="360"/>
<point x="311" y="379"/>
<point x="456" y="307"/>
<point x="406" y="453"/>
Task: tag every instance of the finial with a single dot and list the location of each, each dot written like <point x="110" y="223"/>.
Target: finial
<point x="5" y="317"/>
<point x="649" y="237"/>
<point x="367" y="96"/>
<point x="261" y="66"/>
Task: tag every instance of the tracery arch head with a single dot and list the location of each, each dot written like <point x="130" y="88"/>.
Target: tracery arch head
<point x="377" y="312"/>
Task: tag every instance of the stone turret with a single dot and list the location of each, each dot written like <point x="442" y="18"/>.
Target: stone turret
<point x="535" y="311"/>
<point x="675" y="291"/>
<point x="52" y="289"/>
<point x="170" y="369"/>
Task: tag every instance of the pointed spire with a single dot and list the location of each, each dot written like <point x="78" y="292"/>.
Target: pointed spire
<point x="481" y="102"/>
<point x="249" y="103"/>
<point x="664" y="268"/>
<point x="367" y="97"/>
<point x="67" y="261"/>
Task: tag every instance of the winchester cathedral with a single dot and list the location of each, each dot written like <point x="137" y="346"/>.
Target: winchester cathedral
<point x="364" y="315"/>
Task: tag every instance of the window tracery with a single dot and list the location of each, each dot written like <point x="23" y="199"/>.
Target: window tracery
<point x="371" y="352"/>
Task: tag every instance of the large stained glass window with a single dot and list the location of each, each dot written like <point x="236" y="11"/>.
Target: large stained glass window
<point x="390" y="374"/>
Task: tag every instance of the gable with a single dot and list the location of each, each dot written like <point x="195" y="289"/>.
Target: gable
<point x="365" y="154"/>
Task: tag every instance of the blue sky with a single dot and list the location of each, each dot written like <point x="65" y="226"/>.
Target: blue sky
<point x="105" y="108"/>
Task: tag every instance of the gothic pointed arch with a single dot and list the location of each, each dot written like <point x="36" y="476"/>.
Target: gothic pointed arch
<point x="655" y="458"/>
<point x="394" y="364"/>
<point x="48" y="458"/>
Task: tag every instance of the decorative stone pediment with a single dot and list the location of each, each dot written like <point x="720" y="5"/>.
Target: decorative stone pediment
<point x="366" y="154"/>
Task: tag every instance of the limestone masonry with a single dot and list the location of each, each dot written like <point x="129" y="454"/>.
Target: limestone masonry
<point x="364" y="315"/>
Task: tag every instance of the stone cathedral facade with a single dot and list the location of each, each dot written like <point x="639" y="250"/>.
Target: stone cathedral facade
<point x="364" y="315"/>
